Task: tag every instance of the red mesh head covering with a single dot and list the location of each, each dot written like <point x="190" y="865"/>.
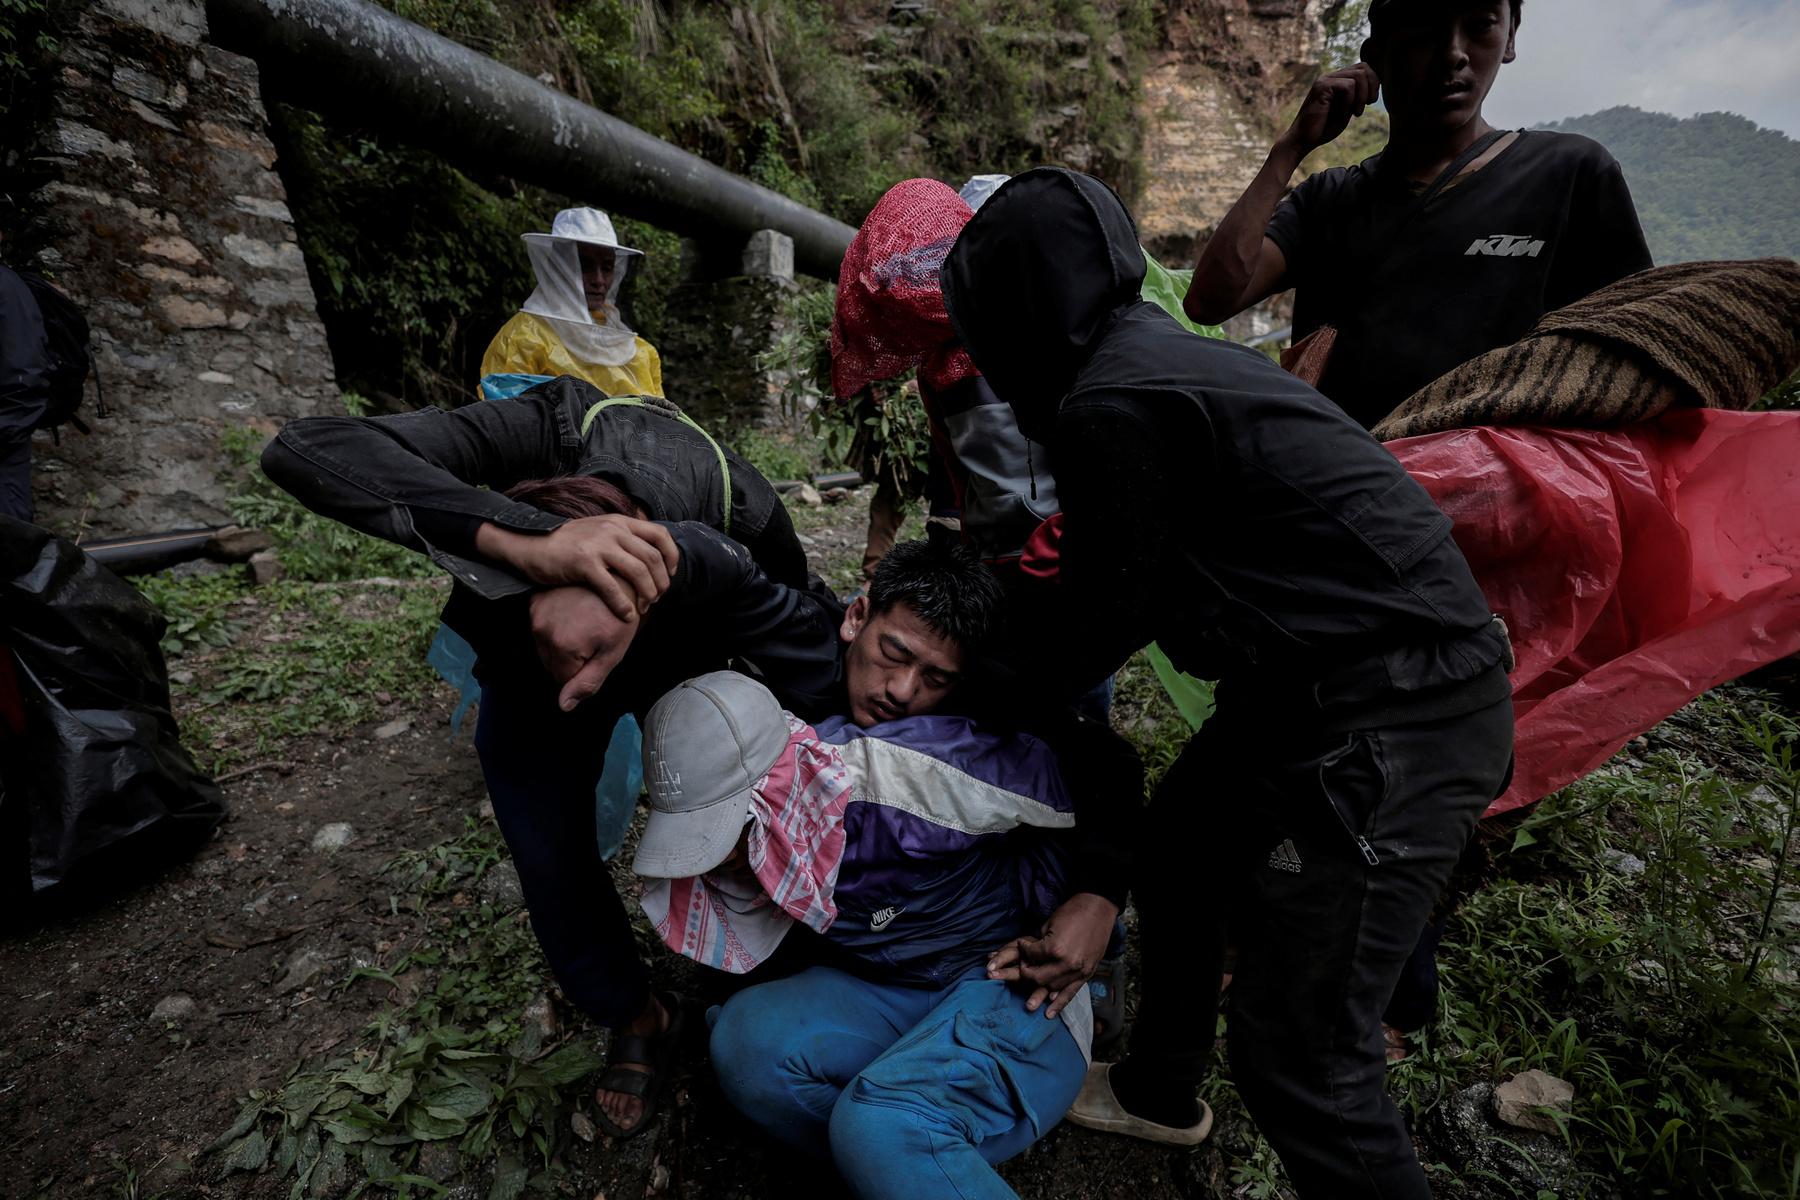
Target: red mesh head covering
<point x="890" y="313"/>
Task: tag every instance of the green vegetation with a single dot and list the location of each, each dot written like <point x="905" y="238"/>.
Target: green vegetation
<point x="1148" y="719"/>
<point x="414" y="266"/>
<point x="313" y="548"/>
<point x="337" y="668"/>
<point x="24" y="37"/>
<point x="780" y="456"/>
<point x="1785" y="394"/>
<point x="1642" y="941"/>
<point x="1711" y="186"/>
<point x="417" y="264"/>
<point x="882" y="432"/>
<point x="349" y="654"/>
<point x="453" y="1062"/>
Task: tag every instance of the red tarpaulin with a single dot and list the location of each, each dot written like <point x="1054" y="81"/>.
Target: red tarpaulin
<point x="1636" y="567"/>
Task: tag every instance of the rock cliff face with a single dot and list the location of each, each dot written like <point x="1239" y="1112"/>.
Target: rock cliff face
<point x="1215" y="94"/>
<point x="155" y="206"/>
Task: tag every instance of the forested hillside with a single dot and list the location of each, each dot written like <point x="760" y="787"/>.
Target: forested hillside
<point x="1711" y="186"/>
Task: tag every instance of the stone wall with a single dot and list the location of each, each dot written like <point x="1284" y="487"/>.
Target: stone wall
<point x="155" y="205"/>
<point x="1215" y="94"/>
<point x="718" y="326"/>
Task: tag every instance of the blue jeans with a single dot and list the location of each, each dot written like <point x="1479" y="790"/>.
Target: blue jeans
<point x="911" y="1092"/>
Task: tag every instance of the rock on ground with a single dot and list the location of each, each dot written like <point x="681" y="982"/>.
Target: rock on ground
<point x="1517" y="1100"/>
<point x="303" y="969"/>
<point x="174" y="1007"/>
<point x="500" y="887"/>
<point x="1462" y="1132"/>
<point x="333" y="837"/>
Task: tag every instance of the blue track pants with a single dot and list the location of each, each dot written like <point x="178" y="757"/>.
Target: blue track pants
<point x="911" y="1092"/>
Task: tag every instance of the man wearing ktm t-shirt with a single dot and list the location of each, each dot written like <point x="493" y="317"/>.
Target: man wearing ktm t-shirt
<point x="1454" y="240"/>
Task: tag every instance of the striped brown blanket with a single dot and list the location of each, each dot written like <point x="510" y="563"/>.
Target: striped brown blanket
<point x="1709" y="334"/>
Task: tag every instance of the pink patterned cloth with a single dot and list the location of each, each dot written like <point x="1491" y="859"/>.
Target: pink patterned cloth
<point x="796" y="843"/>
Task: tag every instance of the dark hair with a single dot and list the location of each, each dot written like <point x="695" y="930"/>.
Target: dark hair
<point x="573" y="496"/>
<point x="947" y="584"/>
<point x="1383" y="11"/>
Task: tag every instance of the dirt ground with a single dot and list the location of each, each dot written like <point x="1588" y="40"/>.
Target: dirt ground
<point x="104" y="1093"/>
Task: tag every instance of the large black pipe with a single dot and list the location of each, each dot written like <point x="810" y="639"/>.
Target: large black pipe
<point x="361" y="64"/>
<point x="149" y="552"/>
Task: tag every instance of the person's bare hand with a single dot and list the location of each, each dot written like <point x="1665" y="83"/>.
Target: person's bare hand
<point x="625" y="561"/>
<point x="1329" y="105"/>
<point x="1064" y="958"/>
<point x="579" y="640"/>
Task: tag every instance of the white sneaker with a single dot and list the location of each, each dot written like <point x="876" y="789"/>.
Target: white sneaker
<point x="1097" y="1108"/>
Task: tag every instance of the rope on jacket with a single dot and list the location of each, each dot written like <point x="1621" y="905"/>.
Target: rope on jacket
<point x="667" y="409"/>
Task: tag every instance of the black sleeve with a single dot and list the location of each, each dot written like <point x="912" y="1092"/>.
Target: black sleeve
<point x="1604" y="242"/>
<point x="1124" y="474"/>
<point x="428" y="479"/>
<point x="1125" y="471"/>
<point x="787" y="636"/>
<point x="774" y="545"/>
<point x="24" y="358"/>
<point x="1105" y="778"/>
<point x="1287" y="228"/>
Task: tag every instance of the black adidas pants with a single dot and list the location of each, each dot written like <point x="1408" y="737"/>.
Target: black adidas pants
<point x="1320" y="856"/>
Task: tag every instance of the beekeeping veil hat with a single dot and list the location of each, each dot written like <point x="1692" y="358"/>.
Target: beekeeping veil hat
<point x="560" y="297"/>
<point x="976" y="192"/>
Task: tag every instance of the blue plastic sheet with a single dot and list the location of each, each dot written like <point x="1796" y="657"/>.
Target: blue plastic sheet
<point x="622" y="778"/>
<point x="615" y="799"/>
<point x="454" y="659"/>
<point x="506" y="385"/>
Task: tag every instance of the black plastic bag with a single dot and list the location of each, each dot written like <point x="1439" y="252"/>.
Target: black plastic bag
<point x="96" y="793"/>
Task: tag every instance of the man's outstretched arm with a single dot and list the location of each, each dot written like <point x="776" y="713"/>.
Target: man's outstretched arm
<point x="1241" y="265"/>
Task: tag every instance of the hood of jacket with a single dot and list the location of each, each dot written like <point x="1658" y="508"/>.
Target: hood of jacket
<point x="1032" y="284"/>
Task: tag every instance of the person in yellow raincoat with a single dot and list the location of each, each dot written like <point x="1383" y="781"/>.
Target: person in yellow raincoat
<point x="571" y="324"/>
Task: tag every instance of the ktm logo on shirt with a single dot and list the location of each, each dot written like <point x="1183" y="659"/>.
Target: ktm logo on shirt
<point x="1507" y="245"/>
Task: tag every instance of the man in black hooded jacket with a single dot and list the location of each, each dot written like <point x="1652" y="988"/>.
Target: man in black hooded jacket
<point x="1224" y="509"/>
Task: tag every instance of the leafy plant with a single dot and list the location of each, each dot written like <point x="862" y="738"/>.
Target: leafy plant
<point x="1144" y="714"/>
<point x="634" y="69"/>
<point x="882" y="431"/>
<point x="1785" y="394"/>
<point x="25" y="36"/>
<point x="801" y="356"/>
<point x="196" y="611"/>
<point x="455" y="1064"/>
<point x="775" y="456"/>
<point x="331" y="657"/>
<point x="415" y="266"/>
